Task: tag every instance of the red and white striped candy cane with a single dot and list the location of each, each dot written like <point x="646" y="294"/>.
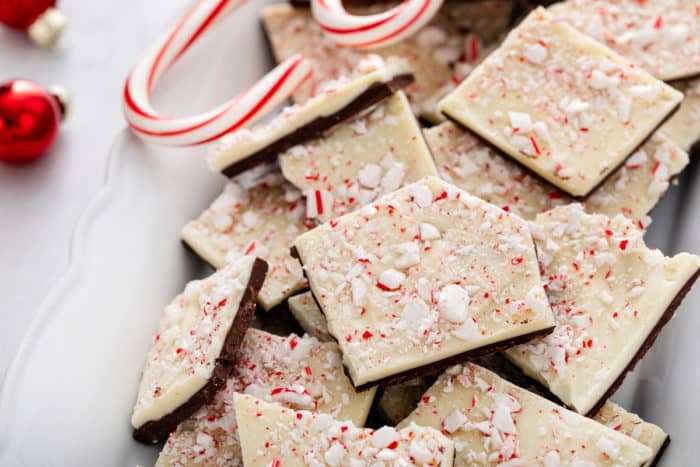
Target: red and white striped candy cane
<point x="243" y="109"/>
<point x="372" y="31"/>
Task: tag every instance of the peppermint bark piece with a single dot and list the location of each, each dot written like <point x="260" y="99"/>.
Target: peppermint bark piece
<point x="615" y="417"/>
<point x="493" y="422"/>
<point x="684" y="126"/>
<point x="295" y="372"/>
<point x="478" y="168"/>
<point x="373" y="81"/>
<point x="425" y="275"/>
<point x="611" y="296"/>
<point x="560" y="103"/>
<point x="276" y="436"/>
<point x="262" y="221"/>
<point x="309" y="316"/>
<point x="360" y="160"/>
<point x="192" y="354"/>
<point x="441" y="54"/>
<point x="661" y="36"/>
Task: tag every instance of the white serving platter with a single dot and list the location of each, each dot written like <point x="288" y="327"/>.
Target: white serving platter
<point x="67" y="398"/>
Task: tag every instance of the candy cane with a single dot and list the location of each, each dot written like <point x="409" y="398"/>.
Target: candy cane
<point x="379" y="30"/>
<point x="270" y="91"/>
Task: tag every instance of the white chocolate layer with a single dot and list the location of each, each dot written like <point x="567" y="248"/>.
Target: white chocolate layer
<point x="493" y="422"/>
<point x="273" y="436"/>
<point x="295" y="372"/>
<point x="335" y="95"/>
<point x="563" y="105"/>
<point x="615" y="417"/>
<point x="262" y="221"/>
<point x="361" y="159"/>
<point x="441" y="54"/>
<point x="684" y="126"/>
<point x="661" y="36"/>
<point x="424" y="273"/>
<point x="191" y="335"/>
<point x="608" y="292"/>
<point x="309" y="316"/>
<point x="633" y="190"/>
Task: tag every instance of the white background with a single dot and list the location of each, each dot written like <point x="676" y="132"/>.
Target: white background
<point x="40" y="203"/>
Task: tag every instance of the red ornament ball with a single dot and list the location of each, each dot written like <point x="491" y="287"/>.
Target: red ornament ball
<point x="40" y="18"/>
<point x="20" y="14"/>
<point x="29" y="119"/>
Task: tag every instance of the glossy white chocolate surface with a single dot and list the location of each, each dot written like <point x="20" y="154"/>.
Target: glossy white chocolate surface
<point x="560" y="103"/>
<point x="422" y="274"/>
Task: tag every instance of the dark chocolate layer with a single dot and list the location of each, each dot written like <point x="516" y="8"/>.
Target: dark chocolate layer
<point x="155" y="431"/>
<point x="661" y="452"/>
<point x="436" y="367"/>
<point x="374" y="94"/>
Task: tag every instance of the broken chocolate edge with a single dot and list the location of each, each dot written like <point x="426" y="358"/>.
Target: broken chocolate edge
<point x="374" y="94"/>
<point x="155" y="431"/>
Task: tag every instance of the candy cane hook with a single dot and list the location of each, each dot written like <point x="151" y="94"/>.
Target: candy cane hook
<point x="372" y="31"/>
<point x="270" y="91"/>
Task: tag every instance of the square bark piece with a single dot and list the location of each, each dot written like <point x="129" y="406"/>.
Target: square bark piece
<point x="276" y="436"/>
<point x="295" y="372"/>
<point x="494" y="422"/>
<point x="425" y="274"/>
<point x="560" y="103"/>
<point x="661" y="36"/>
<point x="611" y="296"/>
<point x="360" y="160"/>
<point x="191" y="355"/>
<point x="473" y="165"/>
<point x="262" y="221"/>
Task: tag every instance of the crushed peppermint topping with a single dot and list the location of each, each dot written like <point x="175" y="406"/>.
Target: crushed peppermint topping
<point x="271" y="432"/>
<point x="632" y="190"/>
<point x="493" y="422"/>
<point x="429" y="232"/>
<point x="346" y="169"/>
<point x="549" y="96"/>
<point x="656" y="35"/>
<point x="310" y="377"/>
<point x="616" y="418"/>
<point x="598" y="277"/>
<point x="438" y="290"/>
<point x="391" y="279"/>
<point x="453" y="302"/>
<point x="190" y="339"/>
<point x="261" y="220"/>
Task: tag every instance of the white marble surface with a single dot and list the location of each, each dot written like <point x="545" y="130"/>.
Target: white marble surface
<point x="40" y="203"/>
